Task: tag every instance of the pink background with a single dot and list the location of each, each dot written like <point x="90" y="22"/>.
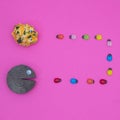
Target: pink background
<point x="52" y="58"/>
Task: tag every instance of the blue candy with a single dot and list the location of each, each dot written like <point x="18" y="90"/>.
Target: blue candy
<point x="73" y="81"/>
<point x="109" y="57"/>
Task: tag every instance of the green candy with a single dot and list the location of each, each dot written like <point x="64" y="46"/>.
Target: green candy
<point x="86" y="37"/>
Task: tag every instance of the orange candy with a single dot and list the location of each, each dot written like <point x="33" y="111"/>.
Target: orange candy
<point x="90" y="81"/>
<point x="60" y="36"/>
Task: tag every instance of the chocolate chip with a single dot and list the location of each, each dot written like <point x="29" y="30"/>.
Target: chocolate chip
<point x="17" y="27"/>
<point x="19" y="40"/>
<point x="29" y="36"/>
<point x="34" y="34"/>
<point x="24" y="33"/>
<point x="18" y="32"/>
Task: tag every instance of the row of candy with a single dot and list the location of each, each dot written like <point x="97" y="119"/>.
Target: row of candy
<point x="75" y="81"/>
<point x="109" y="58"/>
<point x="85" y="37"/>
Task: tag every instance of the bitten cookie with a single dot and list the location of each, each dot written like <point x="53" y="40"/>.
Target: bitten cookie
<point x="20" y="79"/>
<point x="25" y="34"/>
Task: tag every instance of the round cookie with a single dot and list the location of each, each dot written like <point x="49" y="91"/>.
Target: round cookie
<point x="25" y="34"/>
<point x="19" y="79"/>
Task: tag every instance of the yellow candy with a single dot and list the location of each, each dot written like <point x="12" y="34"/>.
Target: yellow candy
<point x="98" y="37"/>
<point x="109" y="72"/>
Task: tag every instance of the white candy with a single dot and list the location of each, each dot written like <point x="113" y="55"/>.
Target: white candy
<point x="109" y="43"/>
<point x="73" y="36"/>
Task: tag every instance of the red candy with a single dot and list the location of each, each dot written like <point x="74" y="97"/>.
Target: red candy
<point x="103" y="81"/>
<point x="57" y="80"/>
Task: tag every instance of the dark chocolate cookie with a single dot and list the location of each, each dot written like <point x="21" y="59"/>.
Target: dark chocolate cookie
<point x="19" y="79"/>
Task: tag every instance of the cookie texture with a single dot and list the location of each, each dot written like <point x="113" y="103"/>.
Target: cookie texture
<point x="19" y="79"/>
<point x="25" y="34"/>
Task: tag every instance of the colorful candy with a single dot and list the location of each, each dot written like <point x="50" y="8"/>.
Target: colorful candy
<point x="98" y="37"/>
<point x="86" y="37"/>
<point x="57" y="80"/>
<point x="103" y="81"/>
<point x="73" y="36"/>
<point x="109" y="43"/>
<point x="109" y="57"/>
<point x="73" y="81"/>
<point x="109" y="72"/>
<point x="90" y="81"/>
<point x="60" y="36"/>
